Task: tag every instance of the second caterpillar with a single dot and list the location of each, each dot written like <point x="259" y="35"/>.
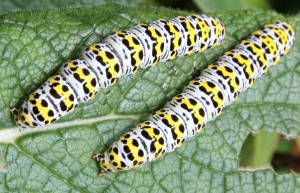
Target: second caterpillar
<point x="200" y="101"/>
<point x="121" y="53"/>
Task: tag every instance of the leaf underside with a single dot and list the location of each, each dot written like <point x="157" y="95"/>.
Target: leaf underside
<point x="33" y="45"/>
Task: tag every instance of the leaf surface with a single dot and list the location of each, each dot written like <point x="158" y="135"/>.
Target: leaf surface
<point x="33" y="45"/>
<point x="16" y="5"/>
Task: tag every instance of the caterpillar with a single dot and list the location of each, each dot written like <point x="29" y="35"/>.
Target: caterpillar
<point x="201" y="100"/>
<point x="121" y="53"/>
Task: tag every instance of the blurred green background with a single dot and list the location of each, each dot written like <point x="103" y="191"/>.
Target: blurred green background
<point x="286" y="7"/>
<point x="259" y="149"/>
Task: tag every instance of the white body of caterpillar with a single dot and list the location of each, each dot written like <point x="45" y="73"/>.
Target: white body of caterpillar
<point x="121" y="53"/>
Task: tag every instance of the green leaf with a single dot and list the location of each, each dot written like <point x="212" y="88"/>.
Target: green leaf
<point x="14" y="5"/>
<point x="33" y="45"/>
<point x="222" y="5"/>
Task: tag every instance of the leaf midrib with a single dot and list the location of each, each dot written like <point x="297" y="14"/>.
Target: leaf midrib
<point x="9" y="135"/>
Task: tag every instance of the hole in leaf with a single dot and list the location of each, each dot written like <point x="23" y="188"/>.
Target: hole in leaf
<point x="271" y="148"/>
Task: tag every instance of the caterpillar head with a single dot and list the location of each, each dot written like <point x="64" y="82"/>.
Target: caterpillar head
<point x="53" y="99"/>
<point x="36" y="111"/>
<point x="103" y="162"/>
<point x="21" y="118"/>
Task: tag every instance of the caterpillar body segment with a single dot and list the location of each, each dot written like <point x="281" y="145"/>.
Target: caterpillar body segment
<point x="202" y="100"/>
<point x="151" y="39"/>
<point x="129" y="49"/>
<point x="105" y="63"/>
<point x="172" y="38"/>
<point x="191" y="110"/>
<point x="82" y="79"/>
